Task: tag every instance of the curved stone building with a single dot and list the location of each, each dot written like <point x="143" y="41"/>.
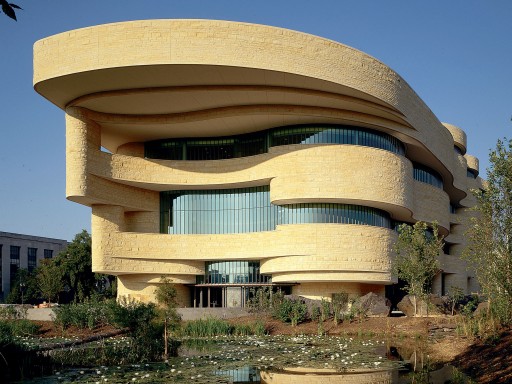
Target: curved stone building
<point x="228" y="155"/>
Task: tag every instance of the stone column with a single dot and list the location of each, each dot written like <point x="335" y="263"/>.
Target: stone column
<point x="83" y="139"/>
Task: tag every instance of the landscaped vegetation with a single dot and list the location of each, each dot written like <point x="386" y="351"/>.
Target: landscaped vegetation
<point x="135" y="336"/>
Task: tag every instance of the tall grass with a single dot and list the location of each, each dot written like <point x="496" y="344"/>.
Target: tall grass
<point x="217" y="327"/>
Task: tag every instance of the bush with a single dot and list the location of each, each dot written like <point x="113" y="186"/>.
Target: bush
<point x="129" y="313"/>
<point x="339" y="304"/>
<point x="293" y="311"/>
<point x="325" y="309"/>
<point x="264" y="299"/>
<point x="24" y="328"/>
<point x="13" y="312"/>
<point x="88" y="314"/>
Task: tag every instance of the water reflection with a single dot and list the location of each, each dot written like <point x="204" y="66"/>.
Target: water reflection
<point x="278" y="360"/>
<point x="319" y="376"/>
<point x="242" y="375"/>
<point x="425" y="375"/>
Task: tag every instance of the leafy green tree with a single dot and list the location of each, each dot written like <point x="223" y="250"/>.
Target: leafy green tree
<point x="339" y="305"/>
<point x="49" y="280"/>
<point x="489" y="249"/>
<point x="455" y="296"/>
<point x="23" y="288"/>
<point x="166" y="296"/>
<point x="75" y="264"/>
<point x="9" y="9"/>
<point x="416" y="262"/>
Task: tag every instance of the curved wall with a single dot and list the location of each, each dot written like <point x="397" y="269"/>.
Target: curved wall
<point x="125" y="84"/>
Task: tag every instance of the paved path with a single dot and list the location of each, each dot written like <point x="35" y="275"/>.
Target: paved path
<point x="41" y="314"/>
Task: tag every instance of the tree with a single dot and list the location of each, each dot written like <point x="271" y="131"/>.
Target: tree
<point x="49" y="280"/>
<point x="416" y="262"/>
<point x="166" y="296"/>
<point x="455" y="296"/>
<point x="9" y="9"/>
<point x="75" y="264"/>
<point x="23" y="288"/>
<point x="489" y="249"/>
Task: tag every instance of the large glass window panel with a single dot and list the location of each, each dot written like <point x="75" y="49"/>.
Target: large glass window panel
<point x="249" y="210"/>
<point x="427" y="175"/>
<point x="218" y="148"/>
<point x="234" y="272"/>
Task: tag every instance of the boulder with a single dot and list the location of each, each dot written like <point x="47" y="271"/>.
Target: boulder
<point x="482" y="309"/>
<point x="438" y="306"/>
<point x="373" y="305"/>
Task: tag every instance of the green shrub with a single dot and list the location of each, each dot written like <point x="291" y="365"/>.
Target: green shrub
<point x="259" y="328"/>
<point x="293" y="311"/>
<point x="6" y="336"/>
<point x="13" y="312"/>
<point x="316" y="314"/>
<point x="88" y="314"/>
<point x="24" y="327"/>
<point x="339" y="304"/>
<point x="264" y="299"/>
<point x="129" y="313"/>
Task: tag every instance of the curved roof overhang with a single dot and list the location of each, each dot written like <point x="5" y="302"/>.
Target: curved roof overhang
<point x="146" y="80"/>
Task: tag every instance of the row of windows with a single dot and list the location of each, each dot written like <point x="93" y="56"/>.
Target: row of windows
<point x="255" y="143"/>
<point x="249" y="210"/>
<point x="427" y="175"/>
<point x="14" y="259"/>
<point x="233" y="272"/>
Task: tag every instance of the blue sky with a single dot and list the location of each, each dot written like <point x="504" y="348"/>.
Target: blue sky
<point x="457" y="55"/>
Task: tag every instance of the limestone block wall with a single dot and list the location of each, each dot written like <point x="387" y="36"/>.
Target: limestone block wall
<point x="126" y="83"/>
<point x="317" y="291"/>
<point x="431" y="204"/>
<point x="142" y="288"/>
<point x="459" y="136"/>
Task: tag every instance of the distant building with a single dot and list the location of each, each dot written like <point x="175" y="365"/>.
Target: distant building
<point x="229" y="156"/>
<point x="26" y="252"/>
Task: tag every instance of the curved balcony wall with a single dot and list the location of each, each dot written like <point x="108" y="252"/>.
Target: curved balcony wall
<point x="473" y="164"/>
<point x="296" y="174"/>
<point x="99" y="61"/>
<point x="431" y="204"/>
<point x="459" y="137"/>
<point x="351" y="248"/>
<point x="460" y="172"/>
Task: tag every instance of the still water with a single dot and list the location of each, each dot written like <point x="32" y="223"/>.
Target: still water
<point x="276" y="360"/>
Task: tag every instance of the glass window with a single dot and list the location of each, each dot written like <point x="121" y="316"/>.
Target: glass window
<point x="249" y="210"/>
<point x="427" y="175"/>
<point x="15" y="260"/>
<point x="48" y="253"/>
<point x="219" y="148"/>
<point x="234" y="272"/>
<point x="32" y="258"/>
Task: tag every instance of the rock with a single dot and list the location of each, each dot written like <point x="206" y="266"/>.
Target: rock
<point x="406" y="305"/>
<point x="437" y="306"/>
<point x="373" y="305"/>
<point x="482" y="309"/>
<point x="310" y="303"/>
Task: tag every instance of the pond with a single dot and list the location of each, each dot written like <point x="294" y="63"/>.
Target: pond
<point x="275" y="359"/>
